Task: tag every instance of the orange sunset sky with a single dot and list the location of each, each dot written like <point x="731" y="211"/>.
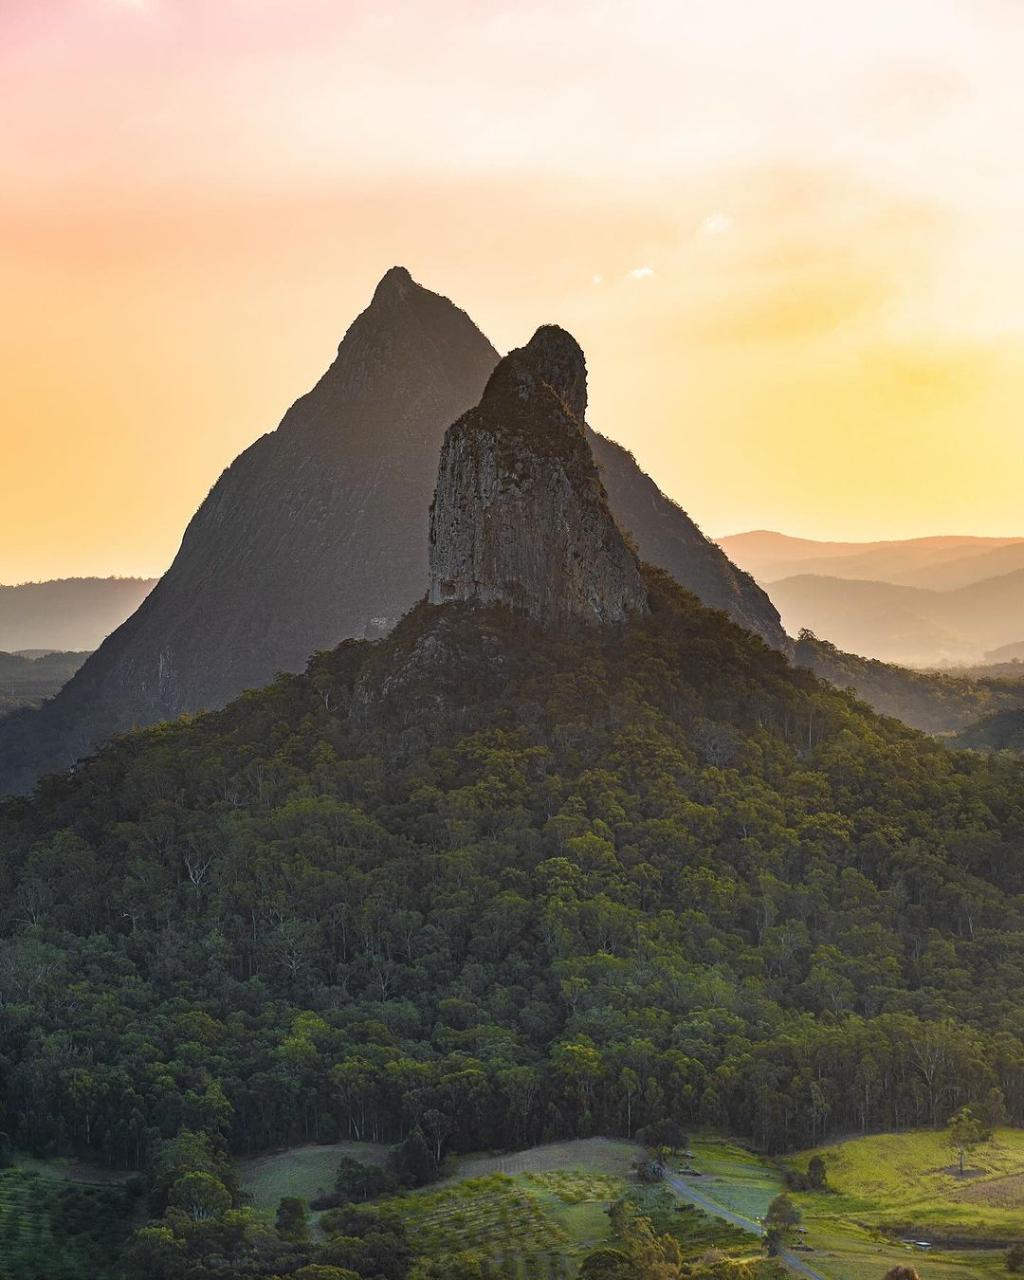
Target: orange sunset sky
<point x="789" y="235"/>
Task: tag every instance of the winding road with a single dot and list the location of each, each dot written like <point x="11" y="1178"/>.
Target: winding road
<point x="687" y="1191"/>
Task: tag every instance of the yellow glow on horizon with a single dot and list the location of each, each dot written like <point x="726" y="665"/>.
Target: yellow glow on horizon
<point x="788" y="237"/>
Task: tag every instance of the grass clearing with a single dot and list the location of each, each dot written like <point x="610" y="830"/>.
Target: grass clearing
<point x="876" y="1181"/>
<point x="307" y="1171"/>
<point x="613" y="1156"/>
<point x="903" y="1184"/>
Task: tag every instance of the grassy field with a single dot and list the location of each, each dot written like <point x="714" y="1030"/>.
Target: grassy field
<point x="877" y="1182"/>
<point x="300" y="1171"/>
<point x="594" y="1155"/>
<point x="905" y="1184"/>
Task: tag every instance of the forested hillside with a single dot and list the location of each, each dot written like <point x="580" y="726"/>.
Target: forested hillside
<point x="1001" y="731"/>
<point x="541" y="883"/>
<point x="934" y="701"/>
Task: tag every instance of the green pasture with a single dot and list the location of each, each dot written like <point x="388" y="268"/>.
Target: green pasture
<point x="307" y="1171"/>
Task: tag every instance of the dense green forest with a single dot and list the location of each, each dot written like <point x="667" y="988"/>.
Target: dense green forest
<point x="1002" y="731"/>
<point x="480" y="884"/>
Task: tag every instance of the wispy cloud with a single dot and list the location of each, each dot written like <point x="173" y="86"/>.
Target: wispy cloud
<point x="715" y="224"/>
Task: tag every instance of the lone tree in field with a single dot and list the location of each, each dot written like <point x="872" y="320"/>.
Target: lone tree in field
<point x="779" y="1223"/>
<point x="966" y="1131"/>
<point x="902" y="1273"/>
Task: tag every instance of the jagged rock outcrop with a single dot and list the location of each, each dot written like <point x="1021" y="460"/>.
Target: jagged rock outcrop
<point x="520" y="516"/>
<point x="318" y="532"/>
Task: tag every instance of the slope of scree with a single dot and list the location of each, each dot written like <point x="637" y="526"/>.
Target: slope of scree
<point x="520" y="516"/>
<point x="318" y="532"/>
<point x="491" y="865"/>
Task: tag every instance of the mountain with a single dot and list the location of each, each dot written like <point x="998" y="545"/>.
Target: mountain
<point x="509" y="874"/>
<point x="28" y="679"/>
<point x="967" y="570"/>
<point x="909" y="625"/>
<point x="69" y="614"/>
<point x="520" y="516"/>
<point x="941" y="563"/>
<point x="1006" y="653"/>
<point x="318" y="532"/>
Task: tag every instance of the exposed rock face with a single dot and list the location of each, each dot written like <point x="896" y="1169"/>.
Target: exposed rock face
<point x="520" y="516"/>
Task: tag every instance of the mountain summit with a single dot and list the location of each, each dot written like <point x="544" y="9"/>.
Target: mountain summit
<point x="318" y="532"/>
<point x="520" y="515"/>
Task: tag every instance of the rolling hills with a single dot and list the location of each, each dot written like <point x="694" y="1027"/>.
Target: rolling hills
<point x="910" y="625"/>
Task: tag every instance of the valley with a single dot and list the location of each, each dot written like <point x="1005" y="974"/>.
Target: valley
<point x="925" y="602"/>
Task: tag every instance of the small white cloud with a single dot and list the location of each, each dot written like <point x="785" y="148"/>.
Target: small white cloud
<point x="597" y="279"/>
<point x="641" y="273"/>
<point x="715" y="224"/>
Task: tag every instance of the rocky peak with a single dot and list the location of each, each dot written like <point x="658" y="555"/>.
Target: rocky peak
<point x="552" y="359"/>
<point x="394" y="282"/>
<point x="520" y="516"/>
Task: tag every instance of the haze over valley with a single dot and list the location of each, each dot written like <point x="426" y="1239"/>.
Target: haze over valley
<point x="940" y="601"/>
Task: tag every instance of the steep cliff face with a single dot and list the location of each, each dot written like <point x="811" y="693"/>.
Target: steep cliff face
<point x="520" y="516"/>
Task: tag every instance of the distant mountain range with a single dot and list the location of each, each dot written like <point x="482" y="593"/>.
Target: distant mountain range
<point x="923" y="602"/>
<point x="70" y="614"/>
<point x="940" y="563"/>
